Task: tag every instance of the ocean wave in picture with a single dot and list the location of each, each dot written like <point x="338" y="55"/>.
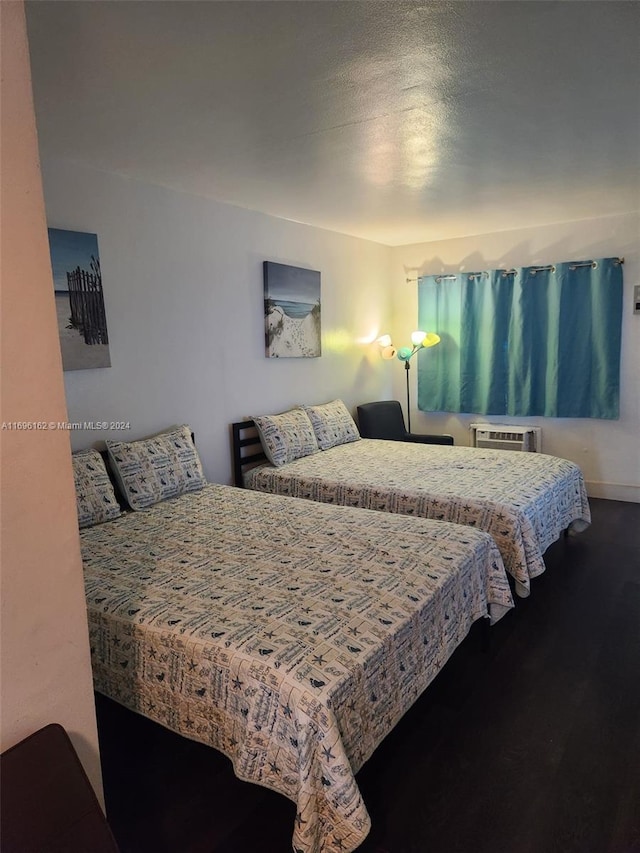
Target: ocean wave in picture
<point x="296" y="310"/>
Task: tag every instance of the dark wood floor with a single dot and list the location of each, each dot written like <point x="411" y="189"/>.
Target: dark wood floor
<point x="531" y="746"/>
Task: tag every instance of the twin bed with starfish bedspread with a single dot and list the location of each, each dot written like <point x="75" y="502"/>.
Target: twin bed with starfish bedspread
<point x="290" y="635"/>
<point x="524" y="500"/>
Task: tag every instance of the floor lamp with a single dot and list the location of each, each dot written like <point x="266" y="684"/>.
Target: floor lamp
<point x="419" y="340"/>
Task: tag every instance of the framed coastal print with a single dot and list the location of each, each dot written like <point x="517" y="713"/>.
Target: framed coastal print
<point x="77" y="280"/>
<point x="291" y="311"/>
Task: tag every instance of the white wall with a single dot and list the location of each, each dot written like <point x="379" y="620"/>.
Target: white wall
<point x="184" y="301"/>
<point x="45" y="664"/>
<point x="607" y="451"/>
<point x="183" y="293"/>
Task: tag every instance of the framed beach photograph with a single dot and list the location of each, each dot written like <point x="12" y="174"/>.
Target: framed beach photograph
<point x="77" y="280"/>
<point x="291" y="311"/>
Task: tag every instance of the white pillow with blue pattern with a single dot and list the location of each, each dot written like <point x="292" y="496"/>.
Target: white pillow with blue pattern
<point x="154" y="469"/>
<point x="332" y="424"/>
<point x="286" y="437"/>
<point x="95" y="498"/>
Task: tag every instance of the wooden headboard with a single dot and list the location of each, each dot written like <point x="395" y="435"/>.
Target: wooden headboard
<point x="247" y="449"/>
<point x="120" y="497"/>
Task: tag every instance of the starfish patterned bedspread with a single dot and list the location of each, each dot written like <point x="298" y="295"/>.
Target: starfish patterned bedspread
<point x="524" y="500"/>
<point x="291" y="636"/>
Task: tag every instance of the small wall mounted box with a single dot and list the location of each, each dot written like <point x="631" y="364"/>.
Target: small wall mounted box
<point x="636" y="299"/>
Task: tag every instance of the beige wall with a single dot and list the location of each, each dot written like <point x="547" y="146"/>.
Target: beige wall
<point x="46" y="674"/>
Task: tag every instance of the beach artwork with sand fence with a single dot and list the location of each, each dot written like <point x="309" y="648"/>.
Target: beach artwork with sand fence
<point x="292" y="311"/>
<point x="77" y="281"/>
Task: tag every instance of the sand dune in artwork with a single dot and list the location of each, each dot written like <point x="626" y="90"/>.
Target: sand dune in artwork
<point x="290" y="337"/>
<point x="76" y="355"/>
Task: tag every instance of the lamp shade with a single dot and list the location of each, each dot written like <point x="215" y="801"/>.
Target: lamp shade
<point x="388" y="352"/>
<point x="384" y="340"/>
<point x="417" y="338"/>
<point x="405" y="353"/>
<point x="431" y="339"/>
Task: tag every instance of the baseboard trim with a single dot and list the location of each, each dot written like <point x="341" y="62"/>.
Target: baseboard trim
<point x="613" y="491"/>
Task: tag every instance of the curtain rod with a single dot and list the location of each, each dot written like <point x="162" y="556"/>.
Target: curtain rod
<point x="549" y="267"/>
<point x="534" y="270"/>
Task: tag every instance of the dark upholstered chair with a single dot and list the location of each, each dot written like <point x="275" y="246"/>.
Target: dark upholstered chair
<point x="385" y="420"/>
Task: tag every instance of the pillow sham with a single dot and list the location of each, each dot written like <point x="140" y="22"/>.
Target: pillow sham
<point x="95" y="498"/>
<point x="154" y="469"/>
<point x="287" y="436"/>
<point x="332" y="424"/>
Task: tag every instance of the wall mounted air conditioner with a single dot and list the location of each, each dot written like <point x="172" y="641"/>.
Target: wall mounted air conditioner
<point x="505" y="437"/>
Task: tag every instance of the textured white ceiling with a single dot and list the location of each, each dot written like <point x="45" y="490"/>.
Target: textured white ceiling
<point x="400" y="122"/>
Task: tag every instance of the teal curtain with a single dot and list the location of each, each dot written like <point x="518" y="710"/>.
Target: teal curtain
<point x="532" y="341"/>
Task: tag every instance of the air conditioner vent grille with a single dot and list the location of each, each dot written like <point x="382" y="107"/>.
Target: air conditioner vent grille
<point x="498" y="437"/>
